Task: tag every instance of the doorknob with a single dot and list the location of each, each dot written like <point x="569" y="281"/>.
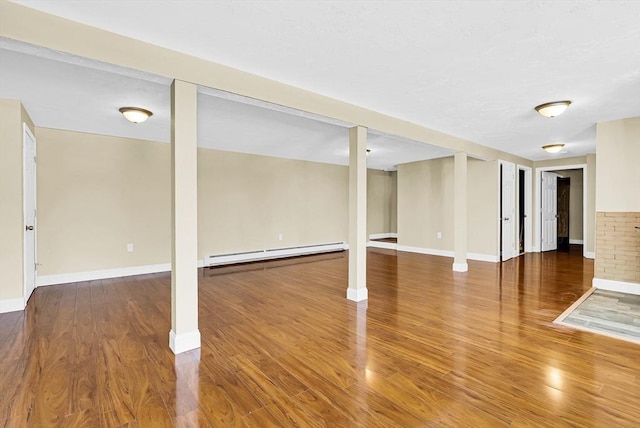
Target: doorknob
<point x="29" y="228"/>
<point x="506" y="219"/>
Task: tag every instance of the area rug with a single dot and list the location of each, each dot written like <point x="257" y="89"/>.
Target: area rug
<point x="605" y="312"/>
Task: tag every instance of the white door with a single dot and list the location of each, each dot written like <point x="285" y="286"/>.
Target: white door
<point x="29" y="195"/>
<point x="508" y="210"/>
<point x="549" y="211"/>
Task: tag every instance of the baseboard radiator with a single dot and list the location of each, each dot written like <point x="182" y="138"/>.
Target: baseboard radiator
<point x="275" y="253"/>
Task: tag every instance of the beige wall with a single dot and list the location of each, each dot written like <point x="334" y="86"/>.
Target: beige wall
<point x="381" y="201"/>
<point x="96" y="194"/>
<point x="483" y="200"/>
<point x="245" y="201"/>
<point x="576" y="207"/>
<point x="12" y="115"/>
<point x="394" y="201"/>
<point x="425" y="204"/>
<point x="590" y="246"/>
<point x="618" y="175"/>
<point x="618" y="200"/>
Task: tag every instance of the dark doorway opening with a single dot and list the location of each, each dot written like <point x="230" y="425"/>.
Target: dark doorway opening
<point x="564" y="184"/>
<point x="521" y="211"/>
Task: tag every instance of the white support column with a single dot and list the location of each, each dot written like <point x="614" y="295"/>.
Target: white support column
<point x="357" y="290"/>
<point x="184" y="334"/>
<point x="460" y="213"/>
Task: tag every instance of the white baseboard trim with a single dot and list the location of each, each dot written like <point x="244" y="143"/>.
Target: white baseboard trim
<point x="386" y="245"/>
<point x="357" y="294"/>
<point x="483" y="257"/>
<point x="184" y="342"/>
<point x="101" y="274"/>
<point x="460" y="267"/>
<point x="589" y="255"/>
<point x="619" y="286"/>
<point x="421" y="250"/>
<point x="383" y="235"/>
<point x="11" y="305"/>
<point x="444" y="253"/>
<point x="576" y="241"/>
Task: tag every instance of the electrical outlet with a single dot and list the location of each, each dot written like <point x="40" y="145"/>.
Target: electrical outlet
<point x="130" y="248"/>
<point x="279" y="236"/>
<point x="439" y="235"/>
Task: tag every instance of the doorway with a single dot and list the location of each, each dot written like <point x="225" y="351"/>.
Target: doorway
<point x="521" y="211"/>
<point x="578" y="213"/>
<point x="564" y="194"/>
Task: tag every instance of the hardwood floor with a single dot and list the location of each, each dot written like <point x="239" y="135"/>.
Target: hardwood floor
<point x="281" y="346"/>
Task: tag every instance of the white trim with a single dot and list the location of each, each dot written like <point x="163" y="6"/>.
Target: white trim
<point x="576" y="241"/>
<point x="11" y="305"/>
<point x="444" y="253"/>
<point x="383" y="235"/>
<point x="460" y="267"/>
<point x="585" y="196"/>
<point x="101" y="274"/>
<point x="619" y="286"/>
<point x="483" y="257"/>
<point x="589" y="255"/>
<point x="26" y="132"/>
<point x="528" y="211"/>
<point x="430" y="251"/>
<point x="357" y="294"/>
<point x="386" y="245"/>
<point x="66" y="278"/>
<point x="277" y="253"/>
<point x="184" y="342"/>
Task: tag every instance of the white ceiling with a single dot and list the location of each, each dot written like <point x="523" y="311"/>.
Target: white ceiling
<point x="68" y="92"/>
<point x="470" y="69"/>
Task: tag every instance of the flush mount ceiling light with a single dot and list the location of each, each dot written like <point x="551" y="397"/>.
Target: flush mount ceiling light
<point x="553" y="148"/>
<point x="553" y="109"/>
<point x="135" y="114"/>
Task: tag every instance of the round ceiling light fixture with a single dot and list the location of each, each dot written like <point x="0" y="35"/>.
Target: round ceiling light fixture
<point x="553" y="148"/>
<point x="553" y="109"/>
<point x="135" y="114"/>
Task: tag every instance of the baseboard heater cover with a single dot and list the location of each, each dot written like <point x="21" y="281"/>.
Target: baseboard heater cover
<point x="274" y="253"/>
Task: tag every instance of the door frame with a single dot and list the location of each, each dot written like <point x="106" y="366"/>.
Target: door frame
<point x="538" y="202"/>
<point x="500" y="216"/>
<point x="528" y="233"/>
<point x="26" y="132"/>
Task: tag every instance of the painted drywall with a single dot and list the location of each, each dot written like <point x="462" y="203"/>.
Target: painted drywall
<point x="425" y="204"/>
<point x="482" y="207"/>
<point x="96" y="194"/>
<point x="576" y="207"/>
<point x="590" y="245"/>
<point x="12" y="116"/>
<point x="618" y="174"/>
<point x="380" y="201"/>
<point x="246" y="201"/>
<point x="394" y="202"/>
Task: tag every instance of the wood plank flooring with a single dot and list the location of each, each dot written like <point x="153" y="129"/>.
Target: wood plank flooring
<point x="281" y="346"/>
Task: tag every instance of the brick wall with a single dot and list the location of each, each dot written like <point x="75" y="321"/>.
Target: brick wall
<point x="618" y="246"/>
